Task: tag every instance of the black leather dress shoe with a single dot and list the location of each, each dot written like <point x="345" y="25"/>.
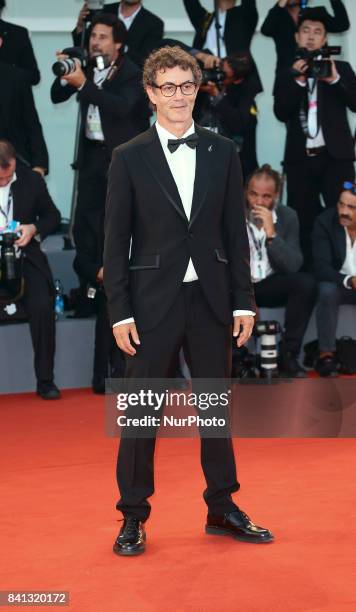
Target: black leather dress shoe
<point x="327" y="366"/>
<point x="238" y="525"/>
<point x="289" y="366"/>
<point x="48" y="391"/>
<point x="131" y="539"/>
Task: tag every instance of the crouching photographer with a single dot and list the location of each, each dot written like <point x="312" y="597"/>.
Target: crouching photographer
<point x="27" y="215"/>
<point x="226" y="104"/>
<point x="275" y="262"/>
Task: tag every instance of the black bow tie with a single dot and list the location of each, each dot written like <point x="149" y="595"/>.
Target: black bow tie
<point x="191" y="141"/>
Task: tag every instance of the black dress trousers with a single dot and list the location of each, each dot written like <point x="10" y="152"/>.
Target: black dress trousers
<point x="190" y="324"/>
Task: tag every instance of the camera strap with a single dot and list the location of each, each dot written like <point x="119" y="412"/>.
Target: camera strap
<point x="310" y="107"/>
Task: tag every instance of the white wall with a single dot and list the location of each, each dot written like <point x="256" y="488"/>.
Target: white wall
<point x="50" y="22"/>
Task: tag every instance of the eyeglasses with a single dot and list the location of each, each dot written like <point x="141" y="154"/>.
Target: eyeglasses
<point x="169" y="89"/>
<point x="348" y="186"/>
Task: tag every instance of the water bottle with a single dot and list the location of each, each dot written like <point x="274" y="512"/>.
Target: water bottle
<point x="58" y="302"/>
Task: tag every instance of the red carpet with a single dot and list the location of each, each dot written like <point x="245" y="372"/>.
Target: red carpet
<point x="58" y="520"/>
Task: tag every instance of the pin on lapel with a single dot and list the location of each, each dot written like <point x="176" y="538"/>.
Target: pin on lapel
<point x="210" y="148"/>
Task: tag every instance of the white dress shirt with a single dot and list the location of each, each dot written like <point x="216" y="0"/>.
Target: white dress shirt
<point x="182" y="164"/>
<point x="210" y="42"/>
<point x="128" y="20"/>
<point x="349" y="265"/>
<point x="6" y="204"/>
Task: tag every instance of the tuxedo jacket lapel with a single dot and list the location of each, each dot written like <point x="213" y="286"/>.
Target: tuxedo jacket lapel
<point x="159" y="168"/>
<point x="205" y="157"/>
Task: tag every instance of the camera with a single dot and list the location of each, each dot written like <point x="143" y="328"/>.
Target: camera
<point x="94" y="6"/>
<point x="317" y="68"/>
<point x="240" y="64"/>
<point x="268" y="331"/>
<point x="67" y="66"/>
<point x="8" y="256"/>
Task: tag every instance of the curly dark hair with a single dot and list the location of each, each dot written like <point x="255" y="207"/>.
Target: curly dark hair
<point x="169" y="57"/>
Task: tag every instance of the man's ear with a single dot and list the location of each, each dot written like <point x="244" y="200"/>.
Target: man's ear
<point x="151" y="94"/>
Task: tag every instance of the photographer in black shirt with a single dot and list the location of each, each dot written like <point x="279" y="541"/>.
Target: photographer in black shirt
<point x="226" y="104"/>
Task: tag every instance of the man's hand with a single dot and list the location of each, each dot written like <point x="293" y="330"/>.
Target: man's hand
<point x="27" y="233"/>
<point x="209" y="61"/>
<point x="334" y="74"/>
<point x="100" y="276"/>
<point x="81" y="18"/>
<point x="39" y="170"/>
<point x="353" y="283"/>
<point x="265" y="215"/>
<point x="300" y="66"/>
<point x="243" y="327"/>
<point x="122" y="335"/>
<point x="76" y="78"/>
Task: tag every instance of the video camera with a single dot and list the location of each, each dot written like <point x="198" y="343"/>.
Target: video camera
<point x="78" y="54"/>
<point x="318" y="60"/>
<point x="240" y="63"/>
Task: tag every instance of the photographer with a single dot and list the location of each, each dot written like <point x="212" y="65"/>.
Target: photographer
<point x="24" y="198"/>
<point x="237" y="25"/>
<point x="16" y="49"/>
<point x="334" y="237"/>
<point x="19" y="122"/>
<point x="275" y="260"/>
<point x="320" y="148"/>
<point x="281" y="24"/>
<point x="227" y="105"/>
<point x="145" y="30"/>
<point x="113" y="110"/>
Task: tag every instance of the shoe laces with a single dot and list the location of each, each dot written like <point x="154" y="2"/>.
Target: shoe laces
<point x="130" y="526"/>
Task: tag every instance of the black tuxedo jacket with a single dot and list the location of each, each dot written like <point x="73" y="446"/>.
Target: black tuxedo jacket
<point x="17" y="50"/>
<point x="333" y="102"/>
<point x="19" y="122"/>
<point x="33" y="204"/>
<point x="240" y="26"/>
<point x="121" y="101"/>
<point x="280" y="26"/>
<point x="143" y="203"/>
<point x="329" y="247"/>
<point x="144" y="34"/>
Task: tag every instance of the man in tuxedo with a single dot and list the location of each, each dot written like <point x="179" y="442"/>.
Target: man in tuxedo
<point x="114" y="110"/>
<point x="334" y="240"/>
<point x="281" y="24"/>
<point x="145" y="30"/>
<point x="320" y="148"/>
<point x="19" y="122"/>
<point x="24" y="198"/>
<point x="175" y="193"/>
<point x="276" y="259"/>
<point x="16" y="49"/>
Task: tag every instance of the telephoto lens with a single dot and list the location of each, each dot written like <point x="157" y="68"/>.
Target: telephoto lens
<point x="64" y="67"/>
<point x="8" y="255"/>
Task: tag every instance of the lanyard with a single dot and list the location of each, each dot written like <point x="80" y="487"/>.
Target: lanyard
<point x="6" y="212"/>
<point x="258" y="244"/>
